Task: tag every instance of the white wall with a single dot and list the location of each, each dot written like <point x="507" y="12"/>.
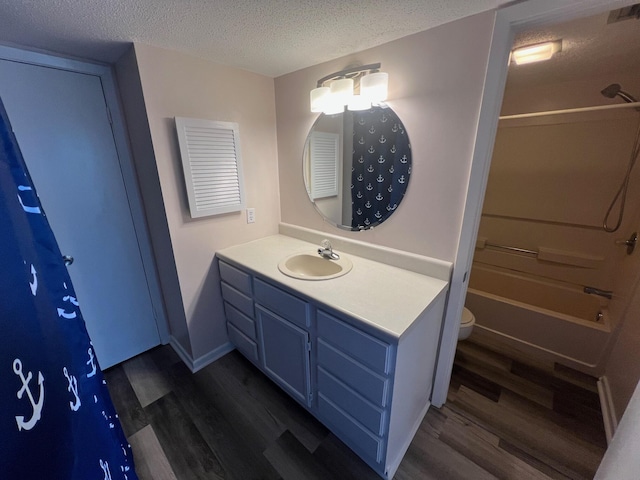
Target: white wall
<point x="175" y="84"/>
<point x="435" y="86"/>
<point x="621" y="460"/>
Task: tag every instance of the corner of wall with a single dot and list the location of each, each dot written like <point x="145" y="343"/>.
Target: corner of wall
<point x="199" y="363"/>
<point x="167" y="84"/>
<point x="137" y="123"/>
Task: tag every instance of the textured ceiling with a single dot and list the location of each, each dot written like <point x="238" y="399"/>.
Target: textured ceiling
<point x="272" y="37"/>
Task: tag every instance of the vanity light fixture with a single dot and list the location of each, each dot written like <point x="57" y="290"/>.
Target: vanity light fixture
<point x="319" y="97"/>
<point x="536" y="53"/>
<point x="359" y="102"/>
<point x="334" y="92"/>
<point x="374" y="86"/>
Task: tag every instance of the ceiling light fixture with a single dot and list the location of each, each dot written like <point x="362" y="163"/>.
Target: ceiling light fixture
<point x="334" y="92"/>
<point x="536" y="53"/>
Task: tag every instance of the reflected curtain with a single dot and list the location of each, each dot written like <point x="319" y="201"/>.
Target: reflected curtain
<point x="57" y="418"/>
<point x="381" y="166"/>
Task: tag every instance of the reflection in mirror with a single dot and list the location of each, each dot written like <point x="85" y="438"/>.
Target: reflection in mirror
<point x="357" y="166"/>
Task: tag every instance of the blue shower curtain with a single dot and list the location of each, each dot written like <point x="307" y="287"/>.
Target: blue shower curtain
<point x="57" y="420"/>
<point x="381" y="166"/>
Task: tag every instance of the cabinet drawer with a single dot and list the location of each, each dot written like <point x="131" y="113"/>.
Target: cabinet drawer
<point x="358" y="438"/>
<point x="236" y="278"/>
<point x="244" y="344"/>
<point x="351" y="402"/>
<point x="237" y="299"/>
<point x="366" y="349"/>
<point x="243" y="323"/>
<point x="282" y="303"/>
<point x="367" y="383"/>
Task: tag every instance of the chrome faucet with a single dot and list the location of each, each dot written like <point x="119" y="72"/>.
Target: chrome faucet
<point x="596" y="291"/>
<point x="326" y="251"/>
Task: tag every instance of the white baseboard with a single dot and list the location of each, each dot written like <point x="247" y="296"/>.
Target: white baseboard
<point x="202" y="361"/>
<point x="608" y="409"/>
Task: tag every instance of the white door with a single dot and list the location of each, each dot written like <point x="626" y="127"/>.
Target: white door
<point x="61" y="122"/>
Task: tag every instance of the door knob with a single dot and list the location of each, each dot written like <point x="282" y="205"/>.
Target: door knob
<point x="631" y="243"/>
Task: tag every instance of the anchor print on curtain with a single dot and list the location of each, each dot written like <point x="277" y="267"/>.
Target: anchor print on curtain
<point x="57" y="420"/>
<point x="381" y="166"/>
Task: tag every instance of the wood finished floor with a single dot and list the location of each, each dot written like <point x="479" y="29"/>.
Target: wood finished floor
<point x="503" y="419"/>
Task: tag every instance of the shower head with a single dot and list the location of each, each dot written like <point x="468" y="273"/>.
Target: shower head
<point x="615" y="89"/>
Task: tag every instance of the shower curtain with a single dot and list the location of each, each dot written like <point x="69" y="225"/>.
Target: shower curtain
<point x="57" y="418"/>
<point x="381" y="166"/>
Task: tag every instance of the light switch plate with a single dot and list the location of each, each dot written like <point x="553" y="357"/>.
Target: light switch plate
<point x="251" y="215"/>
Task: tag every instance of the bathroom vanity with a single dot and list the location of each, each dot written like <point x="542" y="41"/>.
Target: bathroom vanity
<point x="358" y="351"/>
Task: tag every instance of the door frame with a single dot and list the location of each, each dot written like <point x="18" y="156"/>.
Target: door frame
<point x="508" y="21"/>
<point x="127" y="169"/>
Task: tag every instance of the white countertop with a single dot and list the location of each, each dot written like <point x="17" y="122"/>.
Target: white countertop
<point x="383" y="296"/>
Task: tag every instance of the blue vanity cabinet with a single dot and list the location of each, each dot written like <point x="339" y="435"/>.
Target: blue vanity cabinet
<point x="284" y="348"/>
<point x="237" y="293"/>
<point x="284" y="321"/>
<point x="354" y="386"/>
<point x="369" y="387"/>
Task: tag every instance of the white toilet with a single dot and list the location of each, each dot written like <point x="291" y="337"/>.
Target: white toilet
<point x="466" y="324"/>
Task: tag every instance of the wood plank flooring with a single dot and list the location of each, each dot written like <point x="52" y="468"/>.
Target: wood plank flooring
<point x="504" y="419"/>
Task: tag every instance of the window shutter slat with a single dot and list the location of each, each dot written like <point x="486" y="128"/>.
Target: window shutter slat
<point x="325" y="158"/>
<point x="212" y="165"/>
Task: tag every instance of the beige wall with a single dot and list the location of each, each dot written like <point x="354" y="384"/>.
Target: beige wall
<point x="552" y="179"/>
<point x="175" y="84"/>
<point x="623" y="366"/>
<point x="617" y="271"/>
<point x="435" y="86"/>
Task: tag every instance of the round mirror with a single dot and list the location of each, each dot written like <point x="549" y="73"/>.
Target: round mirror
<point x="357" y="166"/>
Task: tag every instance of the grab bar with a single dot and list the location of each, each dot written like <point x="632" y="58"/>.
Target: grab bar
<point x="512" y="249"/>
<point x="596" y="291"/>
<point x="545" y="254"/>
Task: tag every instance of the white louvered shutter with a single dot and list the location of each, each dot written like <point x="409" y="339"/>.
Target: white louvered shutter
<point x="212" y="165"/>
<point x="325" y="158"/>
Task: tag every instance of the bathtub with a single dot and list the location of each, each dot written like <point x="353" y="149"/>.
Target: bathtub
<point x="539" y="316"/>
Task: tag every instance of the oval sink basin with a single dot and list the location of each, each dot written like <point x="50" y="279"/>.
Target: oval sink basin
<point x="307" y="266"/>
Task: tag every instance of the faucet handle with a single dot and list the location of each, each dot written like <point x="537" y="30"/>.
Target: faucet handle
<point x="326" y="250"/>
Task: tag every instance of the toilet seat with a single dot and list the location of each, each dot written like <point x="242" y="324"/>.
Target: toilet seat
<point x="466" y="324"/>
<point x="467" y="317"/>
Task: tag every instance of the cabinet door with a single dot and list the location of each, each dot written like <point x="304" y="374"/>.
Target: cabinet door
<point x="284" y="350"/>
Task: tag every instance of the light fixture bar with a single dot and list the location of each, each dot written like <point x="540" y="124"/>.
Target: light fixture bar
<point x="349" y="71"/>
<point x="335" y="91"/>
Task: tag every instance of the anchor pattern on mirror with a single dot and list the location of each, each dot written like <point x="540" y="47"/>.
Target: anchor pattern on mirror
<point x="381" y="166"/>
<point x="372" y="162"/>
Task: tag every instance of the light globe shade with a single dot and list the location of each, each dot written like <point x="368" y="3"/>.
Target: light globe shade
<point x="333" y="108"/>
<point x="319" y="98"/>
<point x="374" y="86"/>
<point x="341" y="91"/>
<point x="359" y="102"/>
